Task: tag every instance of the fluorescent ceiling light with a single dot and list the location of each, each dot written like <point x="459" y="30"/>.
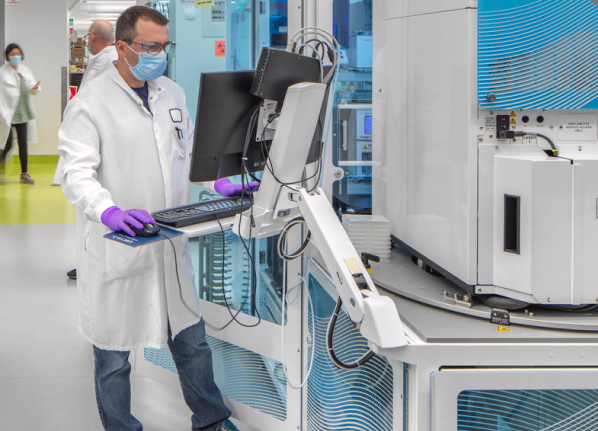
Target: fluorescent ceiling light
<point x="111" y="2"/>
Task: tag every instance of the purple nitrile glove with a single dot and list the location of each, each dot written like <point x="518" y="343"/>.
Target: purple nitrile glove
<point x="117" y="219"/>
<point x="226" y="188"/>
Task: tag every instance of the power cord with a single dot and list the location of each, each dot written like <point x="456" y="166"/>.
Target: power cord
<point x="176" y="267"/>
<point x="282" y="325"/>
<point x="236" y="314"/>
<point x="193" y="312"/>
<point x="553" y="152"/>
<point x="369" y="354"/>
<point x="282" y="243"/>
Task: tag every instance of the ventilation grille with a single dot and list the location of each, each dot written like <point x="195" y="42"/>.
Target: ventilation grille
<point x="259" y="71"/>
<point x="528" y="410"/>
<point x="356" y="400"/>
<point x="241" y="375"/>
<point x="539" y="55"/>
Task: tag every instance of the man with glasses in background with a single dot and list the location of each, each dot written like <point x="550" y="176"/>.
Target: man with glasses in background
<point x="126" y="140"/>
<point x="100" y="42"/>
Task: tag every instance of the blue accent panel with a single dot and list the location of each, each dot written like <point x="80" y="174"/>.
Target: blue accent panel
<point x="347" y="400"/>
<point x="528" y="410"/>
<point x="538" y="54"/>
<point x="241" y="375"/>
<point x="502" y="5"/>
<point x="592" y="105"/>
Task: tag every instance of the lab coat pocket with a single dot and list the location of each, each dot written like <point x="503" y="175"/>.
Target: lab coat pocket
<point x="124" y="261"/>
<point x="179" y="143"/>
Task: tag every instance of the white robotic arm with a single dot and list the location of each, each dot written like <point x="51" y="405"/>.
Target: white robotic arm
<point x="281" y="197"/>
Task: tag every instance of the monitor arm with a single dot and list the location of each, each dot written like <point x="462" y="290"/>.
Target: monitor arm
<point x="281" y="197"/>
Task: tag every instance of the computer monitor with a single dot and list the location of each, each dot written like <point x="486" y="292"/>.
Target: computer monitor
<point x="224" y="110"/>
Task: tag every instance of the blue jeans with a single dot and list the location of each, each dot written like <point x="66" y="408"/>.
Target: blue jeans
<point x="193" y="359"/>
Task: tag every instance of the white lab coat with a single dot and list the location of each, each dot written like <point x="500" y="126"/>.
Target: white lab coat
<point x="116" y="153"/>
<point x="10" y="92"/>
<point x="97" y="65"/>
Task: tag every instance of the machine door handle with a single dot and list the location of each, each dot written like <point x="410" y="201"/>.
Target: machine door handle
<point x="345" y="137"/>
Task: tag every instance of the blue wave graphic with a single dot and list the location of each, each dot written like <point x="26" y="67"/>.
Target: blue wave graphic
<point x="242" y="375"/>
<point x="528" y="410"/>
<point x="536" y="54"/>
<point x="347" y="400"/>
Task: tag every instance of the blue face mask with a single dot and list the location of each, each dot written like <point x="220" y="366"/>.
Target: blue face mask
<point x="149" y="66"/>
<point x="15" y="60"/>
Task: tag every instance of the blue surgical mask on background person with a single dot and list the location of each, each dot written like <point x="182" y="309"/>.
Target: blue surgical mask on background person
<point x="149" y="66"/>
<point x="15" y="59"/>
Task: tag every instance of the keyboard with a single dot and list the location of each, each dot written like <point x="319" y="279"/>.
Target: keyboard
<point x="202" y="212"/>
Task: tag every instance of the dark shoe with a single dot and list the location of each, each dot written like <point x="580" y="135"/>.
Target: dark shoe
<point x="25" y="178"/>
<point x="72" y="274"/>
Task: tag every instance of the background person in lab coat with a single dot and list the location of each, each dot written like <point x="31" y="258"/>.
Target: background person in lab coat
<point x="17" y="85"/>
<point x="100" y="42"/>
<point x="126" y="140"/>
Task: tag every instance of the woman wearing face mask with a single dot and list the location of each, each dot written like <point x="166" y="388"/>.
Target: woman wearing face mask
<point x="17" y="85"/>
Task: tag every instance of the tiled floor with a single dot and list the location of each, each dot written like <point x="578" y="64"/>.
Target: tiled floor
<point x="46" y="367"/>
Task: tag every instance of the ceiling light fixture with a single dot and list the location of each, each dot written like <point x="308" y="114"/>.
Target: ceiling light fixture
<point x="111" y="2"/>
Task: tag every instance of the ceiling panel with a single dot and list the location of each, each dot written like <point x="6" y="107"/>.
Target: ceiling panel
<point x="85" y="12"/>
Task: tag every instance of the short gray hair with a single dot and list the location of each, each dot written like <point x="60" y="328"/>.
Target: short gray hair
<point x="103" y="30"/>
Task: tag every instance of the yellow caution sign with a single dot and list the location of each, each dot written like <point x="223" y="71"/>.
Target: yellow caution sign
<point x="365" y="147"/>
<point x="512" y="114"/>
<point x="513" y="121"/>
<point x="502" y="329"/>
<point x="204" y="3"/>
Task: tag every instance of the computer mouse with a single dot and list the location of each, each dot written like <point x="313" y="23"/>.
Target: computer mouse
<point x="149" y="229"/>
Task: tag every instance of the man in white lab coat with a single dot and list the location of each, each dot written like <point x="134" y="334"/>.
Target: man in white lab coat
<point x="101" y="45"/>
<point x="126" y="140"/>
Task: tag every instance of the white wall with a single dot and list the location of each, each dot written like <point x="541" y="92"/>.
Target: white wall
<point x="41" y="29"/>
<point x="2" y="8"/>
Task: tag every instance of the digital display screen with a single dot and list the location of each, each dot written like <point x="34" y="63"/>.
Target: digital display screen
<point x="368" y="125"/>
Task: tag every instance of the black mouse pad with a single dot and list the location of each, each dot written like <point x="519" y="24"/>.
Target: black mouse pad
<point x="137" y="241"/>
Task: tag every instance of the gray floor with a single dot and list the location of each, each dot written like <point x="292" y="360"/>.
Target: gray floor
<point x="46" y="367"/>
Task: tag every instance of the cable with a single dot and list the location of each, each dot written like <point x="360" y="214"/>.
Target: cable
<point x="313" y="335"/>
<point x="176" y="266"/>
<point x="333" y="45"/>
<point x="282" y="240"/>
<point x="324" y="137"/>
<point x="554" y="149"/>
<point x="369" y="354"/>
<point x="316" y="54"/>
<point x="266" y="156"/>
<point x="233" y="316"/>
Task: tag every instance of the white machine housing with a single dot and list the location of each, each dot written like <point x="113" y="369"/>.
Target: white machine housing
<point x="442" y="177"/>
